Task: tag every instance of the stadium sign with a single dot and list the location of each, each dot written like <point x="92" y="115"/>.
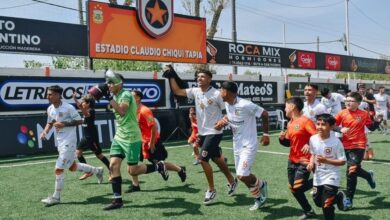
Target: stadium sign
<point x="29" y="93"/>
<point x="19" y="35"/>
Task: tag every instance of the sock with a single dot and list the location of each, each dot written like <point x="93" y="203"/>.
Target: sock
<point x="150" y="168"/>
<point x="255" y="188"/>
<point x="106" y="162"/>
<point x="86" y="168"/>
<point x="81" y="159"/>
<point x="59" y="184"/>
<point x="117" y="188"/>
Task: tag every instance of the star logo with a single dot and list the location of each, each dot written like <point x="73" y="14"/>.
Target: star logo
<point x="155" y="16"/>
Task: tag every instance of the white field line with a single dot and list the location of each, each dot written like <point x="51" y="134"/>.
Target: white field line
<point x="179" y="146"/>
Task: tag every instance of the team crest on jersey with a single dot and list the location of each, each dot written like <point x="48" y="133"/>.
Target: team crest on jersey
<point x="358" y="118"/>
<point x="155" y="16"/>
<point x="237" y="112"/>
<point x="328" y="150"/>
<point x="296" y="127"/>
<point x="210" y="102"/>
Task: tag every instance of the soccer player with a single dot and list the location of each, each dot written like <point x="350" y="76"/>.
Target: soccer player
<point x="241" y="116"/>
<point x="332" y="101"/>
<point x="209" y="106"/>
<point x="64" y="118"/>
<point x="312" y="106"/>
<point x="299" y="130"/>
<point x="91" y="137"/>
<point x="327" y="155"/>
<point x="369" y="99"/>
<point x="353" y="122"/>
<point x="127" y="139"/>
<point x="152" y="148"/>
<point x="381" y="107"/>
<point x="193" y="140"/>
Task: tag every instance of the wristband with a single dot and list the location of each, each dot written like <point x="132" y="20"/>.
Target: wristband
<point x="265" y="134"/>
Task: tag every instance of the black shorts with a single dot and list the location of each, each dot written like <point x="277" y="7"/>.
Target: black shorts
<point x="210" y="146"/>
<point x="354" y="156"/>
<point x="297" y="172"/>
<point x="160" y="154"/>
<point x="91" y="143"/>
<point x="323" y="193"/>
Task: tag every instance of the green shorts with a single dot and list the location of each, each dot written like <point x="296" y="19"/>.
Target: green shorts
<point x="129" y="150"/>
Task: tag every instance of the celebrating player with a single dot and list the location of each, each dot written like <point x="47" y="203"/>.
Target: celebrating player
<point x="299" y="130"/>
<point x="64" y="118"/>
<point x="209" y="106"/>
<point x="91" y="138"/>
<point x="312" y="106"/>
<point x="241" y="116"/>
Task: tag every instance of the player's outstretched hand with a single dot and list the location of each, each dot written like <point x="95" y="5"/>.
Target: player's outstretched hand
<point x="221" y="123"/>
<point x="264" y="140"/>
<point x="169" y="72"/>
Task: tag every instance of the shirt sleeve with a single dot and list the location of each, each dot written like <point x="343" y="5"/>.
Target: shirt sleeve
<point x="255" y="110"/>
<point x="147" y="114"/>
<point x="190" y="93"/>
<point x="74" y="114"/>
<point x="311" y="145"/>
<point x="310" y="127"/>
<point x="220" y="102"/>
<point x="340" y="151"/>
<point x="338" y="118"/>
<point x="340" y="97"/>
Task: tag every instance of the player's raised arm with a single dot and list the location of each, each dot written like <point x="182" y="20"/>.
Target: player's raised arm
<point x="173" y="78"/>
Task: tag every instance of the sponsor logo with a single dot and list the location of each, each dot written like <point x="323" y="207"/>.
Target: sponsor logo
<point x="328" y="150"/>
<point x="155" y="16"/>
<point x="27" y="93"/>
<point x="151" y="92"/>
<point x="332" y="62"/>
<point x="306" y="60"/>
<point x="26" y="136"/>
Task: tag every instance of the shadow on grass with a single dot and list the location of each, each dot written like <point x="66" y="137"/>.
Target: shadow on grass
<point x="379" y="161"/>
<point x="101" y="199"/>
<point x="187" y="188"/>
<point x="166" y="204"/>
<point x="382" y="141"/>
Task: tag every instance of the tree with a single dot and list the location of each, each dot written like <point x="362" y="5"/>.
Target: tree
<point x="214" y="11"/>
<point x="364" y="76"/>
<point x="32" y="64"/>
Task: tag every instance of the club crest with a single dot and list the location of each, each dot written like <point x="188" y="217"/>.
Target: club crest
<point x="155" y="16"/>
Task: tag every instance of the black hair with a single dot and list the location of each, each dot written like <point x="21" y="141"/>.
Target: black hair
<point x="138" y="93"/>
<point x="312" y="86"/>
<point x="296" y="101"/>
<point x="89" y="99"/>
<point x="327" y="118"/>
<point x="356" y="96"/>
<point x="230" y="86"/>
<point x="324" y="92"/>
<point x="207" y="72"/>
<point x="56" y="88"/>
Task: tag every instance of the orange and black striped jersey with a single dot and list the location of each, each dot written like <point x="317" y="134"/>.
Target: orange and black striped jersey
<point x="356" y="122"/>
<point x="299" y="131"/>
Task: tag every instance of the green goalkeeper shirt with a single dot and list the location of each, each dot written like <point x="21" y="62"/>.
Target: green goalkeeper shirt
<point x="127" y="129"/>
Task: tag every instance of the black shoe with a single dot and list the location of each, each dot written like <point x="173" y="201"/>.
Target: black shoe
<point x="182" y="174"/>
<point x="308" y="215"/>
<point x="113" y="205"/>
<point x="132" y="188"/>
<point x="162" y="170"/>
<point x="340" y="200"/>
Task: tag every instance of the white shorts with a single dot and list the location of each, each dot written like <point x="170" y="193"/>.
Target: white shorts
<point x="243" y="160"/>
<point x="66" y="156"/>
<point x="382" y="112"/>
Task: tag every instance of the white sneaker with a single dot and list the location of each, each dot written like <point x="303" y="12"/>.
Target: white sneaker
<point x="232" y="187"/>
<point x="210" y="195"/>
<point x="99" y="174"/>
<point x="258" y="203"/>
<point x="49" y="201"/>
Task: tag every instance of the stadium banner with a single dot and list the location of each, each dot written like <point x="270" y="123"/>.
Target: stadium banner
<point x="242" y="54"/>
<point x="22" y="136"/>
<point x="297" y="88"/>
<point x="257" y="92"/>
<point x="19" y="35"/>
<point x="222" y="52"/>
<point x="29" y="93"/>
<point x="116" y="32"/>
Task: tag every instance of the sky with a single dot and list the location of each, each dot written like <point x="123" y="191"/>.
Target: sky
<point x="263" y="22"/>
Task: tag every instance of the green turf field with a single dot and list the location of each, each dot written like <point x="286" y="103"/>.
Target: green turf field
<point x="25" y="181"/>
